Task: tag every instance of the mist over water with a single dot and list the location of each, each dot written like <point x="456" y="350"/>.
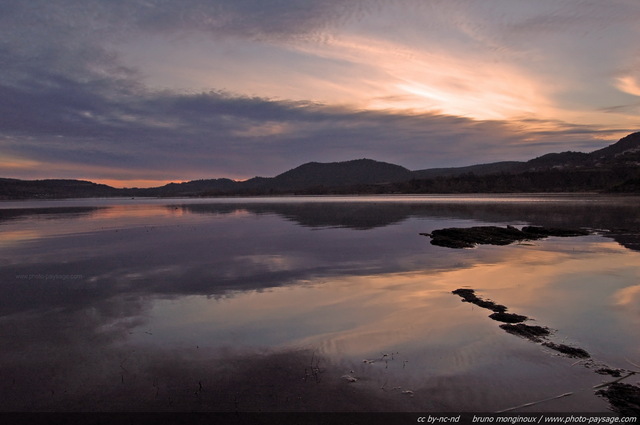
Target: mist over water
<point x="274" y="304"/>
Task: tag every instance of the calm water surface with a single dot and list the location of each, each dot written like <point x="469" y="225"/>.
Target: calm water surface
<point x="277" y="304"/>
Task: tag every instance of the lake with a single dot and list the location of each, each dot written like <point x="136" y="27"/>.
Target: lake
<point x="311" y="304"/>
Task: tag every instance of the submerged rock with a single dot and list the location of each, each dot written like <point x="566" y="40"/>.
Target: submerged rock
<point x="616" y="373"/>
<point x="624" y="398"/>
<point x="569" y="351"/>
<point x="508" y="317"/>
<point x="469" y="237"/>
<point x="466" y="294"/>
<point x="530" y="332"/>
<point x="470" y="296"/>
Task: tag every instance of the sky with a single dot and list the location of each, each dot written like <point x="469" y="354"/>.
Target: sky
<point x="138" y="93"/>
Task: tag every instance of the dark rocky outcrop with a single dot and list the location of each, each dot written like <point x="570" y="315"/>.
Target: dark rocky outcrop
<point x="543" y="232"/>
<point x="531" y="332"/>
<point x="457" y="237"/>
<point x="508" y="317"/>
<point x="468" y="295"/>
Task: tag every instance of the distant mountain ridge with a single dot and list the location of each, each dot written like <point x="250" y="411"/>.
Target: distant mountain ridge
<point x="479" y="169"/>
<point x="54" y="188"/>
<point x="309" y="175"/>
<point x="613" y="168"/>
<point x="628" y="146"/>
<point x="624" y="152"/>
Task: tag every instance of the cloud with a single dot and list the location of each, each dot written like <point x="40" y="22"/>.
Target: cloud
<point x="331" y="82"/>
<point x="628" y="84"/>
<point x="185" y="136"/>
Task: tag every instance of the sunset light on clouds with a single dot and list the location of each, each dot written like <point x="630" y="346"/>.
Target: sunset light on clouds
<point x="141" y="92"/>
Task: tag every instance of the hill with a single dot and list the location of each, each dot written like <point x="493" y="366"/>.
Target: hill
<point x="360" y="171"/>
<point x="626" y="149"/>
<point x="190" y="188"/>
<point x="54" y="188"/>
<point x="479" y="170"/>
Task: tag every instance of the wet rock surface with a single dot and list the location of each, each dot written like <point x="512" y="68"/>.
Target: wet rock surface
<point x="624" y="398"/>
<point x="508" y="317"/>
<point x="531" y="332"/>
<point x="469" y="237"/>
<point x="469" y="295"/>
<point x="544" y="232"/>
<point x="569" y="351"/>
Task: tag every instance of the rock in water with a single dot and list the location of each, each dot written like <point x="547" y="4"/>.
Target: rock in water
<point x="469" y="237"/>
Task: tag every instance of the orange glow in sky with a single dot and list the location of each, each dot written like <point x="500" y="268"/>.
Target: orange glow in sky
<point x="134" y="183"/>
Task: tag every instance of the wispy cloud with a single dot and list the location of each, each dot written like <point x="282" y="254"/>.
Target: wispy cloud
<point x="150" y="90"/>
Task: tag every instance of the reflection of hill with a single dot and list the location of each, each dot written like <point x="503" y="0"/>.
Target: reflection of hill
<point x="617" y="215"/>
<point x="353" y="215"/>
<point x="218" y="257"/>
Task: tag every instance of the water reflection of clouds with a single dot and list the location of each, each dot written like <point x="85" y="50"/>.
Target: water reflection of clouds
<point x="14" y="237"/>
<point x="131" y="214"/>
<point x="156" y="290"/>
<point x="628" y="298"/>
<point x="268" y="262"/>
<point x="193" y="254"/>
